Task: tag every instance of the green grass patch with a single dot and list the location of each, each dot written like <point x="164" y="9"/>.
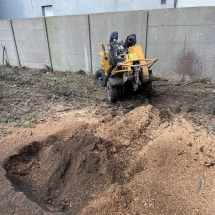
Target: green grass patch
<point x="65" y="104"/>
<point x="211" y="124"/>
<point x="24" y="90"/>
<point x="9" y="117"/>
<point x="80" y="99"/>
<point x="54" y="80"/>
<point x="11" y="74"/>
<point x="28" y="123"/>
<point x="35" y="114"/>
<point x="81" y="72"/>
<point x="92" y="89"/>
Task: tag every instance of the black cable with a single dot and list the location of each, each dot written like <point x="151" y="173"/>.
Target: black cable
<point x="109" y="73"/>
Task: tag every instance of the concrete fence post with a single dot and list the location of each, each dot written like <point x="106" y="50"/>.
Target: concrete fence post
<point x="91" y="57"/>
<point x="14" y="43"/>
<point x="47" y="41"/>
<point x="146" y="33"/>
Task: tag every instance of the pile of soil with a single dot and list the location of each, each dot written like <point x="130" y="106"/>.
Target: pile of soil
<point x="136" y="156"/>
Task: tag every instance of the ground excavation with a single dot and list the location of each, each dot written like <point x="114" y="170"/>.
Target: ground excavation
<point x="66" y="150"/>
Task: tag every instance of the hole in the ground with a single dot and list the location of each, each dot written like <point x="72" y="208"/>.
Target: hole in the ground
<point x="65" y="175"/>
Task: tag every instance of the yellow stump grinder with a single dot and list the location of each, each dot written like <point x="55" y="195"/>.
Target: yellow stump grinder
<point x="123" y="65"/>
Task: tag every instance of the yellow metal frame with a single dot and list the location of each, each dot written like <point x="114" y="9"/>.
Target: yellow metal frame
<point x="103" y="50"/>
<point x="135" y="54"/>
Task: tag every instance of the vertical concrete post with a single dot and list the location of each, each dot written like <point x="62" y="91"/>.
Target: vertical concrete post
<point x="91" y="57"/>
<point x="147" y="18"/>
<point x="14" y="43"/>
<point x="47" y="41"/>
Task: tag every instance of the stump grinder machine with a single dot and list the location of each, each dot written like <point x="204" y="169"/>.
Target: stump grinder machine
<point x="123" y="65"/>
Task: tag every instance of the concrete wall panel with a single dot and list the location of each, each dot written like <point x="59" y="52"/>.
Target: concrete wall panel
<point x="67" y="61"/>
<point x="55" y="33"/>
<point x="69" y="42"/>
<point x="7" y="40"/>
<point x="126" y="23"/>
<point x="183" y="40"/>
<point x="30" y="35"/>
<point x="31" y="40"/>
<point x="69" y="47"/>
<point x="5" y="35"/>
<point x="28" y="24"/>
<point x="4" y="25"/>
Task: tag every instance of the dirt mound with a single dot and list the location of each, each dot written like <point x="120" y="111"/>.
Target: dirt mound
<point x="65" y="175"/>
<point x="62" y="175"/>
<point x="132" y="164"/>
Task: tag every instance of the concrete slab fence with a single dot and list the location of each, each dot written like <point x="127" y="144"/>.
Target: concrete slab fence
<point x="182" y="39"/>
<point x="184" y="42"/>
<point x="69" y="41"/>
<point x="7" y="40"/>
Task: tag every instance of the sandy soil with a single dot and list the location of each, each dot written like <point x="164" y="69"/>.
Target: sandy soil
<point x="66" y="150"/>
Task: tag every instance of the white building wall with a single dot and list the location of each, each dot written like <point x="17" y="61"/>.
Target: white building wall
<point x="196" y="3"/>
<point x="12" y="9"/>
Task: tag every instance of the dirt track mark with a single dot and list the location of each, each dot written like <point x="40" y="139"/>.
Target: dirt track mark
<point x="84" y="164"/>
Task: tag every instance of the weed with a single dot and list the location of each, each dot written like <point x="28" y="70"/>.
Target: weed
<point x="92" y="89"/>
<point x="66" y="104"/>
<point x="64" y="79"/>
<point x="28" y="123"/>
<point x="11" y="74"/>
<point x="5" y="89"/>
<point x="24" y="90"/>
<point x="80" y="99"/>
<point x="10" y="118"/>
<point x="65" y="73"/>
<point x="211" y="124"/>
<point x="57" y="95"/>
<point x="49" y="69"/>
<point x="54" y="80"/>
<point x="81" y="72"/>
<point x="34" y="114"/>
<point x="87" y="111"/>
<point x="25" y="79"/>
